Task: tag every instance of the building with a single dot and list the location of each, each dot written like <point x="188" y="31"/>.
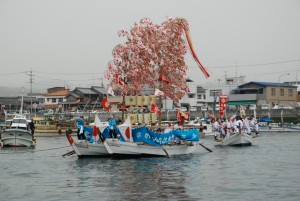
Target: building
<point x="85" y="98"/>
<point x="264" y="93"/>
<point x="55" y="97"/>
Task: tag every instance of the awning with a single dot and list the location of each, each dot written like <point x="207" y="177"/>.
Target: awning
<point x="241" y="102"/>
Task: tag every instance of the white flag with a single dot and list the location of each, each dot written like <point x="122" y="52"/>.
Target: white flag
<point x="158" y="92"/>
<point x="110" y="91"/>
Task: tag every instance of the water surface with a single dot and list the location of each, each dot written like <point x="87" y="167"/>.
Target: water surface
<point x="268" y="170"/>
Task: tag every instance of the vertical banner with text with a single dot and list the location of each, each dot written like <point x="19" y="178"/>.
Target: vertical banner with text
<point x="222" y="102"/>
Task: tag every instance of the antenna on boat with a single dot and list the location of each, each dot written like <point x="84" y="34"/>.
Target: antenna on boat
<point x="21" y="108"/>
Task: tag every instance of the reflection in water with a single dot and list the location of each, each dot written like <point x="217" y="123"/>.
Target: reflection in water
<point x="269" y="170"/>
<point x="128" y="179"/>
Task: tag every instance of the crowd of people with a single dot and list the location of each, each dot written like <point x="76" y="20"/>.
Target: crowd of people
<point x="239" y="124"/>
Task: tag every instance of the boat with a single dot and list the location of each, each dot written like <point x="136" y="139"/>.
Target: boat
<point x="145" y="142"/>
<point x="85" y="149"/>
<point x="17" y="135"/>
<point x="236" y="139"/>
<point x="139" y="141"/>
<point x="82" y="148"/>
<point x="277" y="128"/>
<point x="118" y="148"/>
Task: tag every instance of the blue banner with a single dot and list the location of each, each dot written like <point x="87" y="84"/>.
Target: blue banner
<point x="144" y="134"/>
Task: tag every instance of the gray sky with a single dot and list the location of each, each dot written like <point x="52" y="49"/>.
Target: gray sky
<point x="69" y="42"/>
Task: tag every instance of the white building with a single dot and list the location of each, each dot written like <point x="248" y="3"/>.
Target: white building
<point x="205" y="95"/>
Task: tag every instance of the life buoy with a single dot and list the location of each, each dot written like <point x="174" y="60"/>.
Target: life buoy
<point x="61" y="117"/>
<point x="50" y="111"/>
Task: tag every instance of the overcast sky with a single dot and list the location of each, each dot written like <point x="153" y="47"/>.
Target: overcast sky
<point x="69" y="42"/>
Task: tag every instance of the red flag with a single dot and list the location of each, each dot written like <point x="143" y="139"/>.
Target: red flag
<point x="222" y="102"/>
<point x="105" y="104"/>
<point x="127" y="132"/>
<point x="178" y="113"/>
<point x="70" y="139"/>
<point x="95" y="131"/>
<point x="154" y="108"/>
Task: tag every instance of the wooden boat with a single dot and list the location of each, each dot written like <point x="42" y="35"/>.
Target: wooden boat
<point x="85" y="149"/>
<point x="119" y="148"/>
<point x="133" y="145"/>
<point x="236" y="139"/>
<point x="82" y="148"/>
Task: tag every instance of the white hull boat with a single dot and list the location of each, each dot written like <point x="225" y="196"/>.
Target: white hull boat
<point x="17" y="135"/>
<point x="128" y="147"/>
<point x="17" y="138"/>
<point x="237" y="140"/>
<point x="116" y="147"/>
<point x="85" y="149"/>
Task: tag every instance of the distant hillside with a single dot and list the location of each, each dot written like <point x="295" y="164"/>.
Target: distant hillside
<point x="17" y="91"/>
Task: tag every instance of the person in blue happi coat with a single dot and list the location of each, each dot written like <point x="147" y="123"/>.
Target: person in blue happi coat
<point x="80" y="128"/>
<point x="112" y="127"/>
<point x="89" y="138"/>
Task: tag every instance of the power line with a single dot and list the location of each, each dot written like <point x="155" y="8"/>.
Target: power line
<point x="72" y="73"/>
<point x="251" y="65"/>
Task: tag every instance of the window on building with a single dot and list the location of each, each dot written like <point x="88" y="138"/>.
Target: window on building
<point x="281" y="92"/>
<point x="199" y="96"/>
<point x="290" y="92"/>
<point x="48" y="100"/>
<point x="204" y="97"/>
<point x="60" y="100"/>
<point x="53" y="100"/>
<point x="215" y="92"/>
<point x="191" y="95"/>
<point x="273" y="93"/>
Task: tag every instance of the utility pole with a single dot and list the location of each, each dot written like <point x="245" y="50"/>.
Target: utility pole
<point x="30" y="74"/>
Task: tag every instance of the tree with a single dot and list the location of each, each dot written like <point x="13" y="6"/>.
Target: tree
<point x="153" y="55"/>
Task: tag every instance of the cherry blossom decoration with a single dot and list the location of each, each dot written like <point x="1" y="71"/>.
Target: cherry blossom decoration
<point x="152" y="56"/>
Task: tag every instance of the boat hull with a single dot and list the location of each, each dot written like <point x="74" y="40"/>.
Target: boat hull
<point x="85" y="149"/>
<point x="137" y="149"/>
<point x="237" y="140"/>
<point x="17" y="138"/>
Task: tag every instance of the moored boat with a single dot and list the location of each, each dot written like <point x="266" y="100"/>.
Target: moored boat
<point x="18" y="135"/>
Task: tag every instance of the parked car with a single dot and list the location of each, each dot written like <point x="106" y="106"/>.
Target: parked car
<point x="252" y="107"/>
<point x="265" y="106"/>
<point x="183" y="109"/>
<point x="193" y="109"/>
<point x="282" y="107"/>
<point x="204" y="108"/>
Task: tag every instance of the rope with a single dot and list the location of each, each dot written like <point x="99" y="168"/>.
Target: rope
<point x="34" y="150"/>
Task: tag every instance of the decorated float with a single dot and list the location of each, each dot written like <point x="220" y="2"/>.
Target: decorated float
<point x="151" y="58"/>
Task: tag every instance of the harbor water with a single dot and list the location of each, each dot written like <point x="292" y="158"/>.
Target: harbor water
<point x="268" y="170"/>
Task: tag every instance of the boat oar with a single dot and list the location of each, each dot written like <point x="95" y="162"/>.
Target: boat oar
<point x="69" y="153"/>
<point x="166" y="152"/>
<point x="103" y="140"/>
<point x="208" y="149"/>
